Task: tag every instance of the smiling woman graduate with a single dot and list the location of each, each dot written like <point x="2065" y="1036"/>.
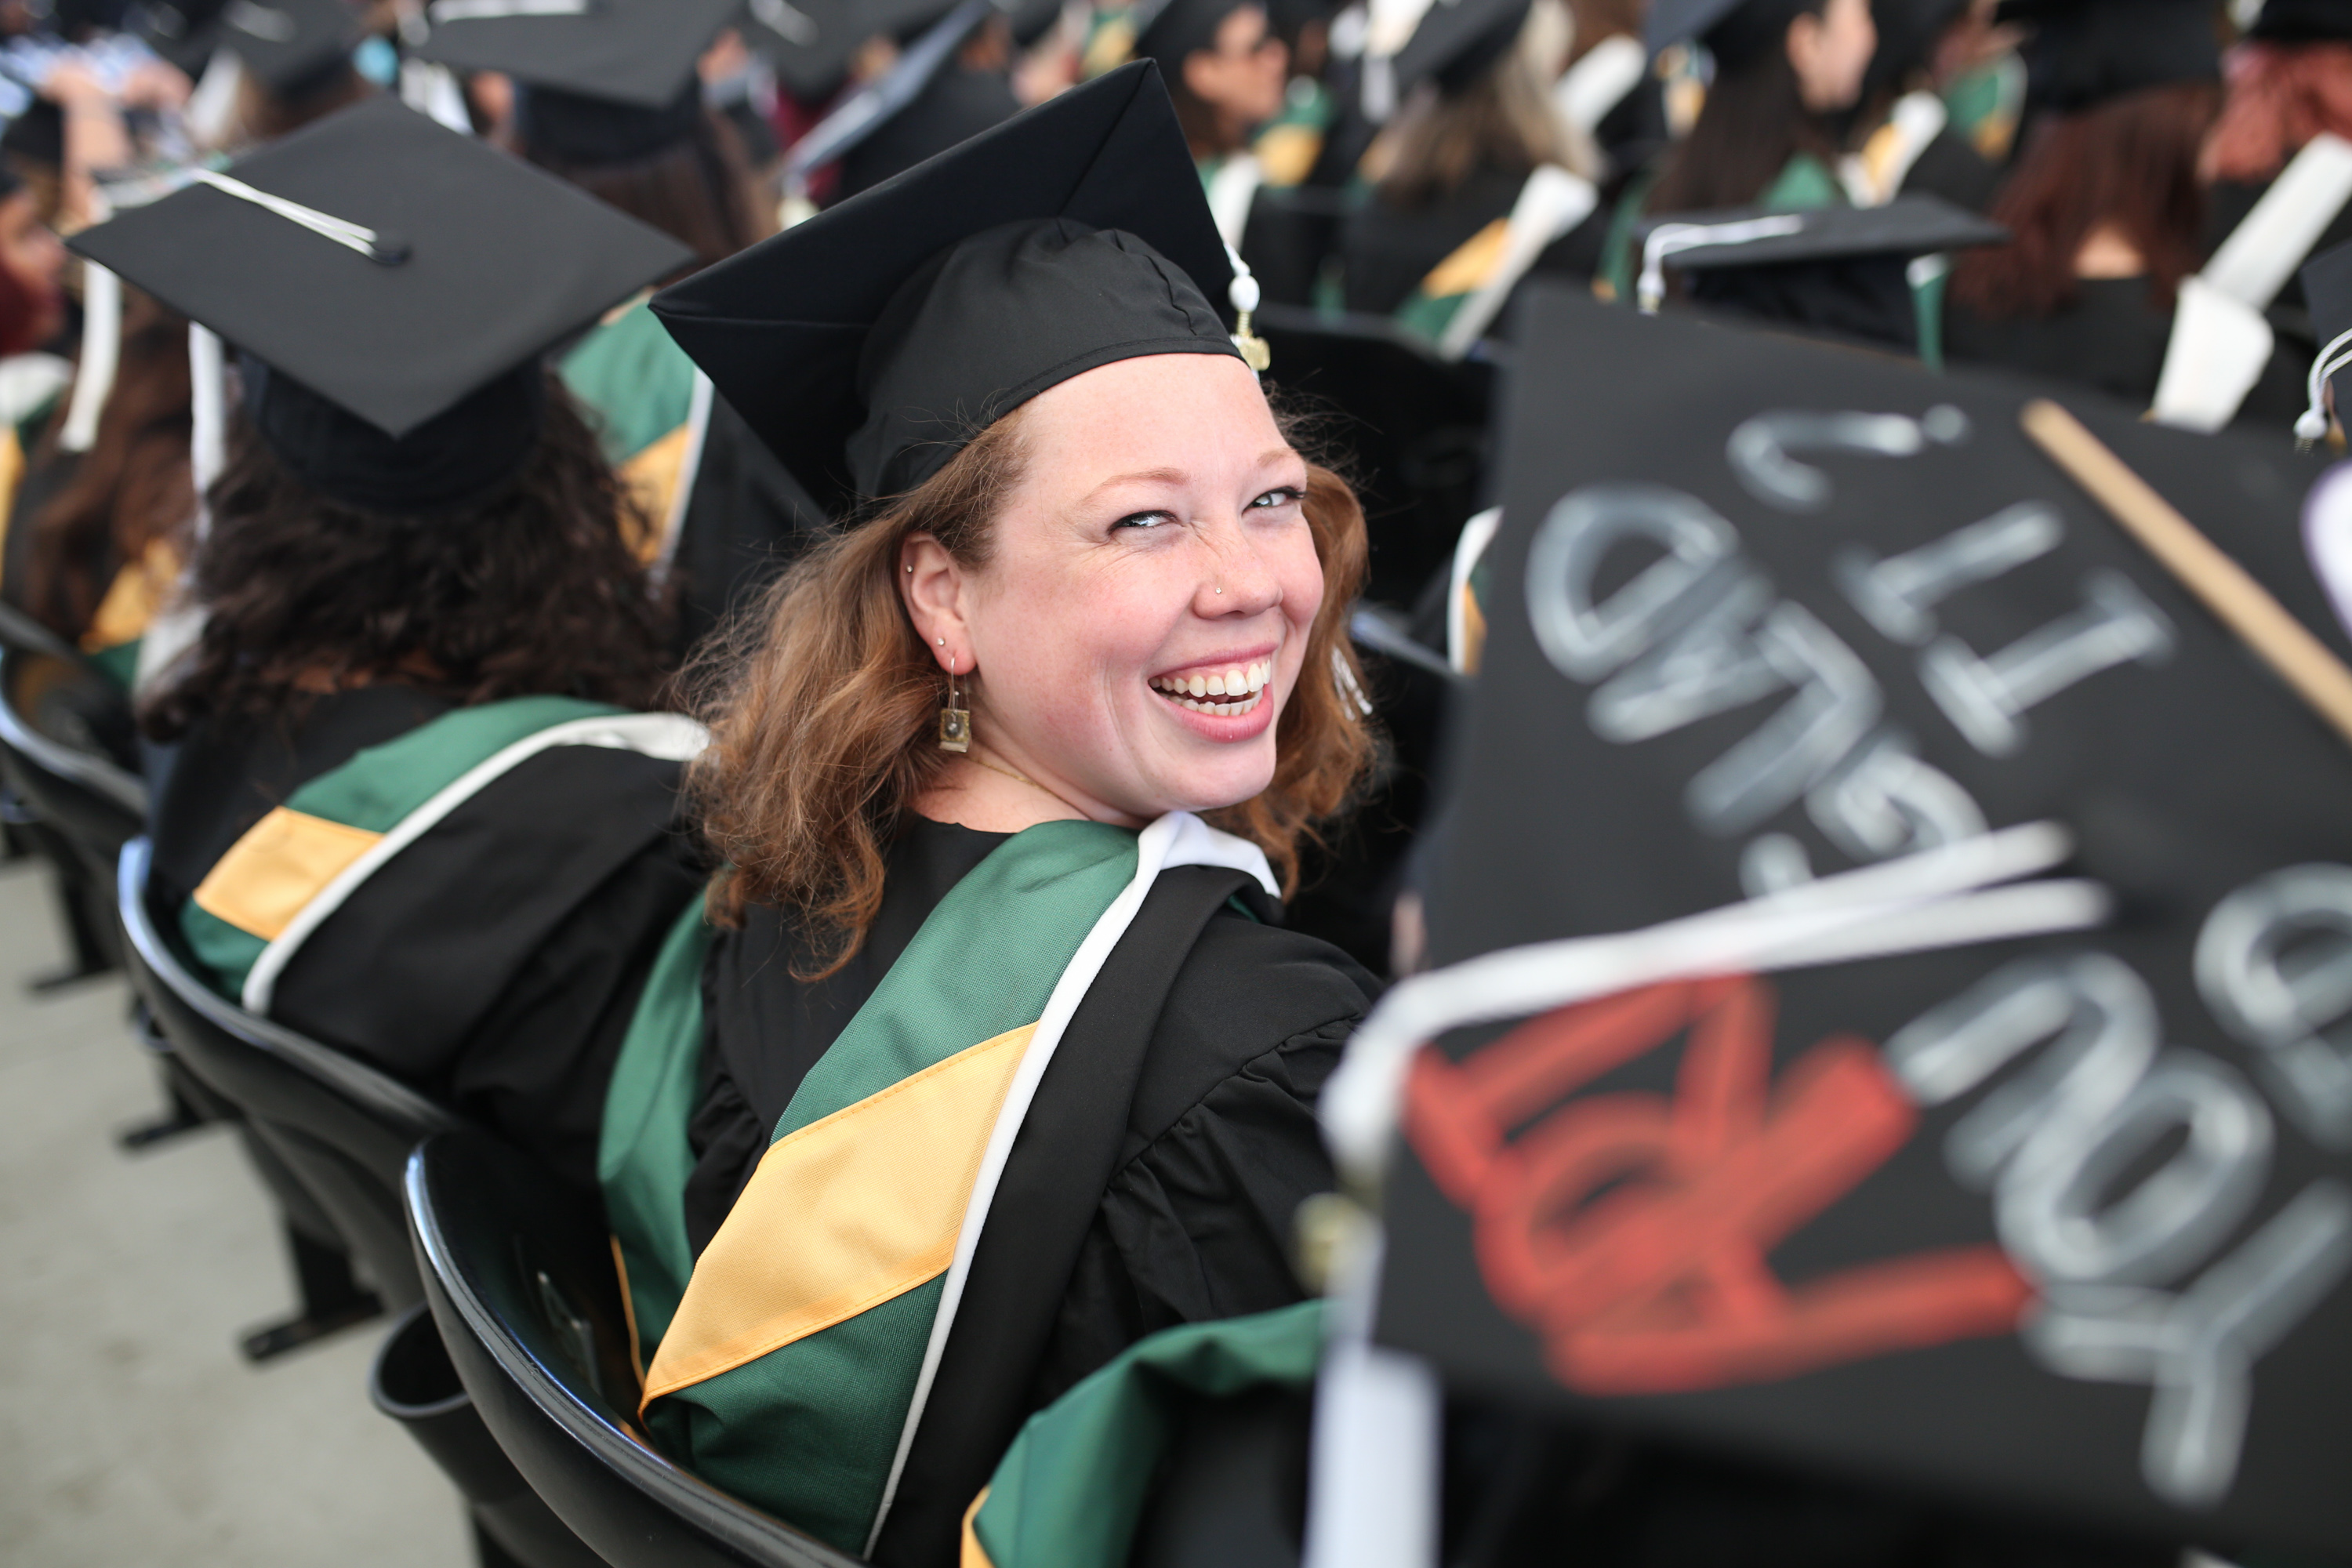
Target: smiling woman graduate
<point x="993" y="1056"/>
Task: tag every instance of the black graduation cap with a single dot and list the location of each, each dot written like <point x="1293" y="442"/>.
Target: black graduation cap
<point x="288" y="45"/>
<point x="881" y="102"/>
<point x="1170" y="30"/>
<point x="1764" y="614"/>
<point x="1908" y="32"/>
<point x="1032" y="19"/>
<point x="2301" y="21"/>
<point x="181" y="31"/>
<point x="809" y="43"/>
<point x="1838" y="269"/>
<point x="383" y="266"/>
<point x="1456" y="41"/>
<point x="2080" y="53"/>
<point x="868" y="343"/>
<point x="635" y="52"/>
<point x="2327" y="286"/>
<point x="1732" y="30"/>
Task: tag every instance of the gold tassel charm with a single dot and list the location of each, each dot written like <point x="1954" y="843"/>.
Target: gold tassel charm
<point x="1255" y="353"/>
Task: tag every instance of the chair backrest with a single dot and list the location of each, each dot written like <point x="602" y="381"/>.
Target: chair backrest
<point x="343" y="1128"/>
<point x="518" y="1271"/>
<point x="90" y="799"/>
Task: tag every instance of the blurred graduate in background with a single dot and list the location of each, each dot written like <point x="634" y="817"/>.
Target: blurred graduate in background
<point x="2105" y="204"/>
<point x="1785" y="72"/>
<point x="612" y="100"/>
<point x="1226" y="70"/>
<point x="98" y="511"/>
<point x="411" y="812"/>
<point x="1479" y="180"/>
<point x="1908" y="138"/>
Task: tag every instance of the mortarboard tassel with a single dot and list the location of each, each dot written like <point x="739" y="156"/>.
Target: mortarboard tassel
<point x="379" y="247"/>
<point x="1242" y="293"/>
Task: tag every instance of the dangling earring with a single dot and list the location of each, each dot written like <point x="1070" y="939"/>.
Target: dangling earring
<point x="955" y="718"/>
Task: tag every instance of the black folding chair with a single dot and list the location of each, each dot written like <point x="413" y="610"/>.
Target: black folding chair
<point x="518" y="1271"/>
<point x="413" y="1383"/>
<point x="64" y="733"/>
<point x="330" y="1134"/>
<point x="331" y="1137"/>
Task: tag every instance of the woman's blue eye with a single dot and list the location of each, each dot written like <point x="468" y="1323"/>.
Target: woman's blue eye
<point x="1141" y="519"/>
<point x="1283" y="496"/>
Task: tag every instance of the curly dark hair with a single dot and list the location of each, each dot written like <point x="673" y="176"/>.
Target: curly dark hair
<point x="533" y="590"/>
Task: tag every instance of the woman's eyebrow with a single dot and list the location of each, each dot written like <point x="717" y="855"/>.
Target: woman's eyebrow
<point x="1266" y="460"/>
<point x="1143" y="476"/>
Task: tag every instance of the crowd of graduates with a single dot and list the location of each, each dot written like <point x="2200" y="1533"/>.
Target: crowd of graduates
<point x="630" y="543"/>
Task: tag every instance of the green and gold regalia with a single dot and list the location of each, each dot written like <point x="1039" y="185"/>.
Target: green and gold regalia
<point x="1062" y="1098"/>
<point x="467" y="897"/>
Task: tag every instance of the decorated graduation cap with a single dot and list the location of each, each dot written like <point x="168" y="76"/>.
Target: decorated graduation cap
<point x="1880" y="1020"/>
<point x="868" y="344"/>
<point x="1838" y="269"/>
<point x="391" y="285"/>
<point x="605" y="82"/>
<point x="2327" y="286"/>
<point x="1454" y="45"/>
<point x="2303" y="21"/>
<point x="2082" y="53"/>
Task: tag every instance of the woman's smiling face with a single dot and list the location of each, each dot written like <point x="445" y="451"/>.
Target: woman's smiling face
<point x="1143" y="612"/>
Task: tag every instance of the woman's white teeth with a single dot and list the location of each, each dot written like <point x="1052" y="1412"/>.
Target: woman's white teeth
<point x="1244" y="686"/>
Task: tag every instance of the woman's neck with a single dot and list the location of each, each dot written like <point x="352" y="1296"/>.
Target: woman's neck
<point x="2106" y="253"/>
<point x="984" y="791"/>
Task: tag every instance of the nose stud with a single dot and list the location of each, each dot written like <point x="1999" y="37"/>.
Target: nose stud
<point x="1221" y="590"/>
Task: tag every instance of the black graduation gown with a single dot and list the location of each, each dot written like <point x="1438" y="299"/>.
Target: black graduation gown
<point x="2113" y="338"/>
<point x="747" y="519"/>
<point x="42" y="483"/>
<point x="1949" y="167"/>
<point x="1634" y="133"/>
<point x="959" y="104"/>
<point x="495" y="961"/>
<point x="1218" y="1149"/>
<point x="1385" y="253"/>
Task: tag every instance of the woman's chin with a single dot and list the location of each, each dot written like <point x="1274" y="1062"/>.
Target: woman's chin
<point x="1210" y="783"/>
